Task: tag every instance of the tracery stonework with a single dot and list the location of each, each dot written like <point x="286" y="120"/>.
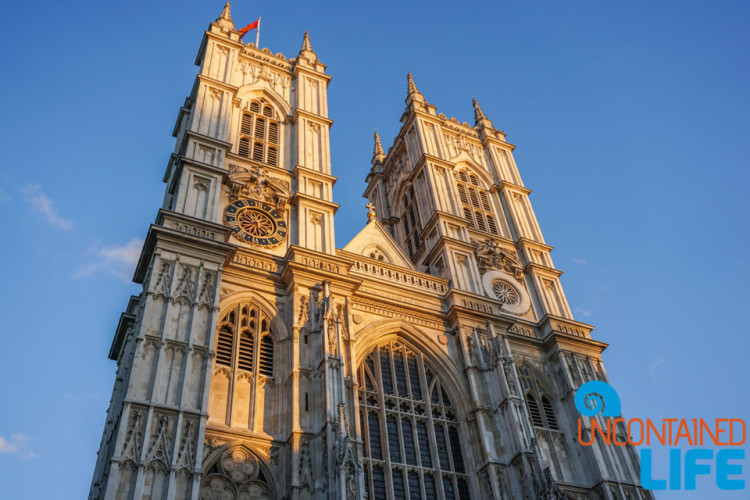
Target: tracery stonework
<point x="432" y="357"/>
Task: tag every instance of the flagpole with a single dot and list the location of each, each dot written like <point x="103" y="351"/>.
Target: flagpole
<point x="257" y="35"/>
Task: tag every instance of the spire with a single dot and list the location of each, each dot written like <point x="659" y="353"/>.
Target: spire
<point x="378" y="155"/>
<point x="225" y="19"/>
<point x="411" y="88"/>
<point x="480" y="119"/>
<point x="378" y="151"/>
<point x="306" y="43"/>
<point x="306" y="54"/>
<point x="413" y="95"/>
<point x="478" y="113"/>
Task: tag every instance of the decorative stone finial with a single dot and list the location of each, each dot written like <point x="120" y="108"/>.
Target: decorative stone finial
<point x="225" y="19"/>
<point x="480" y="119"/>
<point x="413" y="98"/>
<point x="478" y="113"/>
<point x="370" y="212"/>
<point x="411" y="88"/>
<point x="378" y="150"/>
<point x="306" y="43"/>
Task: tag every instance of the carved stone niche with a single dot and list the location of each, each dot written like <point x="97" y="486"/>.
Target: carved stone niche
<point x="254" y="183"/>
<point x="491" y="256"/>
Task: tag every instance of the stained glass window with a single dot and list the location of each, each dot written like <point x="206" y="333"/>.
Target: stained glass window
<point x="410" y="429"/>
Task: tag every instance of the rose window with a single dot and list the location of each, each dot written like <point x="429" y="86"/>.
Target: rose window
<point x="505" y="293"/>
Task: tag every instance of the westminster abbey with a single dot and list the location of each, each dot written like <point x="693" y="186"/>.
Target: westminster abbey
<point x="434" y="356"/>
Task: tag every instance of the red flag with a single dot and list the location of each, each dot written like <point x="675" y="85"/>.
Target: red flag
<point x="249" y="27"/>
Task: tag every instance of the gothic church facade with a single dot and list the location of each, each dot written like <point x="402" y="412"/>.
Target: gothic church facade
<point x="433" y="357"/>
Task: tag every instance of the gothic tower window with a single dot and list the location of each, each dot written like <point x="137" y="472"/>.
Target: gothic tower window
<point x="539" y="404"/>
<point x="475" y="203"/>
<point x="259" y="134"/>
<point x="410" y="222"/>
<point x="243" y="371"/>
<point x="240" y="330"/>
<point x="412" y="438"/>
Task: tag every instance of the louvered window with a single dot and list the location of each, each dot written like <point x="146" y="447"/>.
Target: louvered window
<point x="258" y="151"/>
<point x="476" y="204"/>
<point x="224" y="345"/>
<point x="259" y="134"/>
<point x="549" y="413"/>
<point x="244" y="340"/>
<point x="411" y="223"/>
<point x="543" y="416"/>
<point x="245" y="357"/>
<point x="244" y="147"/>
<point x="534" y="413"/>
<point x="410" y="429"/>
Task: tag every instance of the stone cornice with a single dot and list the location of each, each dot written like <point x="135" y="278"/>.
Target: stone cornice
<point x="247" y="258"/>
<point x="569" y="335"/>
<point x="395" y="275"/>
<point x="542" y="270"/>
<point x="216" y="142"/>
<point x="298" y="68"/>
<point x="127" y="320"/>
<point x="308" y="172"/>
<point x="494" y="141"/>
<point x="299" y="259"/>
<point x="217" y="83"/>
<point x="186" y="232"/>
<point x="557" y="324"/>
<point x="525" y="242"/>
<point x="392" y="307"/>
<point x="177" y="161"/>
<point x="462" y="304"/>
<point x="297" y="197"/>
<point x="184" y="110"/>
<point x="509" y="186"/>
<point x="310" y="116"/>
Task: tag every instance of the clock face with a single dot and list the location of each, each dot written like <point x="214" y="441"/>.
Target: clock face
<point x="256" y="222"/>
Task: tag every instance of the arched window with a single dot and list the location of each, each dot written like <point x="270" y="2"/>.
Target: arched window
<point x="475" y="204"/>
<point x="243" y="369"/>
<point x="259" y="133"/>
<point x="413" y="443"/>
<point x="410" y="222"/>
<point x="240" y="330"/>
<point x="541" y="409"/>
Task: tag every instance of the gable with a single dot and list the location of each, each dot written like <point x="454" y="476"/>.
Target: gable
<point x="375" y="242"/>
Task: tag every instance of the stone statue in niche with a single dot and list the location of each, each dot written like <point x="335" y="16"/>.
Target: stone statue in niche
<point x="490" y="255"/>
<point x="255" y="183"/>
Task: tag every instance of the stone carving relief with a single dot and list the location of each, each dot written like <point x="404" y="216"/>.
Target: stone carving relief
<point x="491" y="256"/>
<point x="161" y="442"/>
<point x="131" y="450"/>
<point x="185" y="290"/>
<point x="186" y="454"/>
<point x="305" y="467"/>
<point x="208" y="290"/>
<point x="236" y="475"/>
<point x="253" y="73"/>
<point x="304" y="311"/>
<point x="255" y="183"/>
<point x="163" y="284"/>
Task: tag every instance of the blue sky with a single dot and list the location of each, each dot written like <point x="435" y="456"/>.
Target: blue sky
<point x="631" y="125"/>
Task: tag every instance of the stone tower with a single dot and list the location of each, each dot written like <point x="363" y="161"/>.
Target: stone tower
<point x="434" y="356"/>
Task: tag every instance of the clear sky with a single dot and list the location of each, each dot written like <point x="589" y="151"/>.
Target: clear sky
<point x="631" y="121"/>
